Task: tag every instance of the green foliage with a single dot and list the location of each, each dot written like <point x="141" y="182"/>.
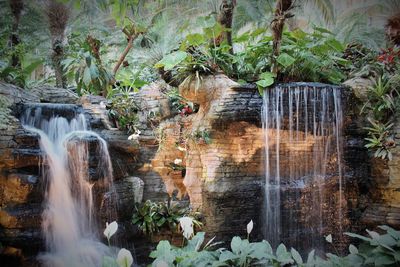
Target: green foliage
<point x="86" y="68"/>
<point x="179" y="103"/>
<point x="151" y="217"/>
<point x="315" y="56"/>
<point x="201" y="137"/>
<point x="379" y="139"/>
<point x="123" y="109"/>
<point x="376" y="250"/>
<point x="382" y="96"/>
<point x="5" y="112"/>
<point x="18" y="75"/>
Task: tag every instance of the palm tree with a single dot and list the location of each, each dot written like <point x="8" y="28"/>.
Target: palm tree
<point x="393" y="29"/>
<point x="16" y="9"/>
<point x="57" y="15"/>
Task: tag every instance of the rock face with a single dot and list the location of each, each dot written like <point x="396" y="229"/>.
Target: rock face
<point x="213" y="159"/>
<point x="224" y="176"/>
<point x="379" y="199"/>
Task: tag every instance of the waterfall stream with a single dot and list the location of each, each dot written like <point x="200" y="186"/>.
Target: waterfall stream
<point x="69" y="221"/>
<point x="302" y="129"/>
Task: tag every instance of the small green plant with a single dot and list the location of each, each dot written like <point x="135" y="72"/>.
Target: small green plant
<point x="123" y="110"/>
<point x="201" y="137"/>
<point x="180" y="104"/>
<point x="380" y="139"/>
<point x="381" y="98"/>
<point x="151" y="217"/>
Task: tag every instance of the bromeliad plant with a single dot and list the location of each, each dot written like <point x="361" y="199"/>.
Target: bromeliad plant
<point x="382" y="96"/>
<point x="380" y="139"/>
<point x="152" y="217"/>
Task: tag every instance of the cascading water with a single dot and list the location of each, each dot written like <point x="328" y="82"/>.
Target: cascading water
<point x="69" y="221"/>
<point x="302" y="125"/>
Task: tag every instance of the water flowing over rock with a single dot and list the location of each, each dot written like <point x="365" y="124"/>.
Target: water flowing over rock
<point x="303" y="146"/>
<point x="69" y="219"/>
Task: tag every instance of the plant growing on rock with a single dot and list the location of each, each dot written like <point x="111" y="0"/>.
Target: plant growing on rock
<point x="201" y="137"/>
<point x="380" y="139"/>
<point x="382" y="96"/>
<point x="152" y="217"/>
<point x="123" y="110"/>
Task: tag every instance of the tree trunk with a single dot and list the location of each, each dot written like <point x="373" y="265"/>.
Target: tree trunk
<point x="393" y="29"/>
<point x="58" y="15"/>
<point x="56" y="58"/>
<point x="281" y="14"/>
<point x="16" y="9"/>
<point x="225" y="18"/>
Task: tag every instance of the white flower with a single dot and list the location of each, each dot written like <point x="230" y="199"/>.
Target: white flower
<point x="249" y="227"/>
<point x="124" y="258"/>
<point x="111" y="229"/>
<point x="177" y="161"/>
<point x="134" y="136"/>
<point x="187" y="226"/>
<point x="181" y="148"/>
<point x="328" y="238"/>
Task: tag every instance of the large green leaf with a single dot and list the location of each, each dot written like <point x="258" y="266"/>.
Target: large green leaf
<point x="87" y="78"/>
<point x="171" y="60"/>
<point x="285" y="60"/>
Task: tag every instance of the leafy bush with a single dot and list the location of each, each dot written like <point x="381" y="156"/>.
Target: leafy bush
<point x="151" y="217"/>
<point x="381" y="106"/>
<point x="83" y="63"/>
<point x="315" y="56"/>
<point x="376" y="250"/>
<point x="123" y="109"/>
<point x="380" y="139"/>
<point x="180" y="104"/>
<point x="17" y="75"/>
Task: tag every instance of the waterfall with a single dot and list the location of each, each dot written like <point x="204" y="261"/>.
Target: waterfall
<point x="302" y="128"/>
<point x="69" y="220"/>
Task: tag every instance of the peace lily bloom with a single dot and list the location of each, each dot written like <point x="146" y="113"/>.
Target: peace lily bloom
<point x="124" y="258"/>
<point x="110" y="230"/>
<point x="186" y="224"/>
<point x="181" y="148"/>
<point x="135" y="136"/>
<point x="249" y="228"/>
<point x="177" y="161"/>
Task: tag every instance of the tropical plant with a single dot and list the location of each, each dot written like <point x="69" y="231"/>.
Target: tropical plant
<point x="152" y="217"/>
<point x="201" y="137"/>
<point x="123" y="109"/>
<point x="58" y="15"/>
<point x="376" y="250"/>
<point x="180" y="104"/>
<point x="83" y="62"/>
<point x="379" y="139"/>
<point x="381" y="98"/>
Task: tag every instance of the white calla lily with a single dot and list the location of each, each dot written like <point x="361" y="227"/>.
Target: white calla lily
<point x="124" y="258"/>
<point x="186" y="224"/>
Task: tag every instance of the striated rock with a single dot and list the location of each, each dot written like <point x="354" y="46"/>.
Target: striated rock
<point x="50" y="94"/>
<point x="129" y="192"/>
<point x="17" y="95"/>
<point x="359" y="87"/>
